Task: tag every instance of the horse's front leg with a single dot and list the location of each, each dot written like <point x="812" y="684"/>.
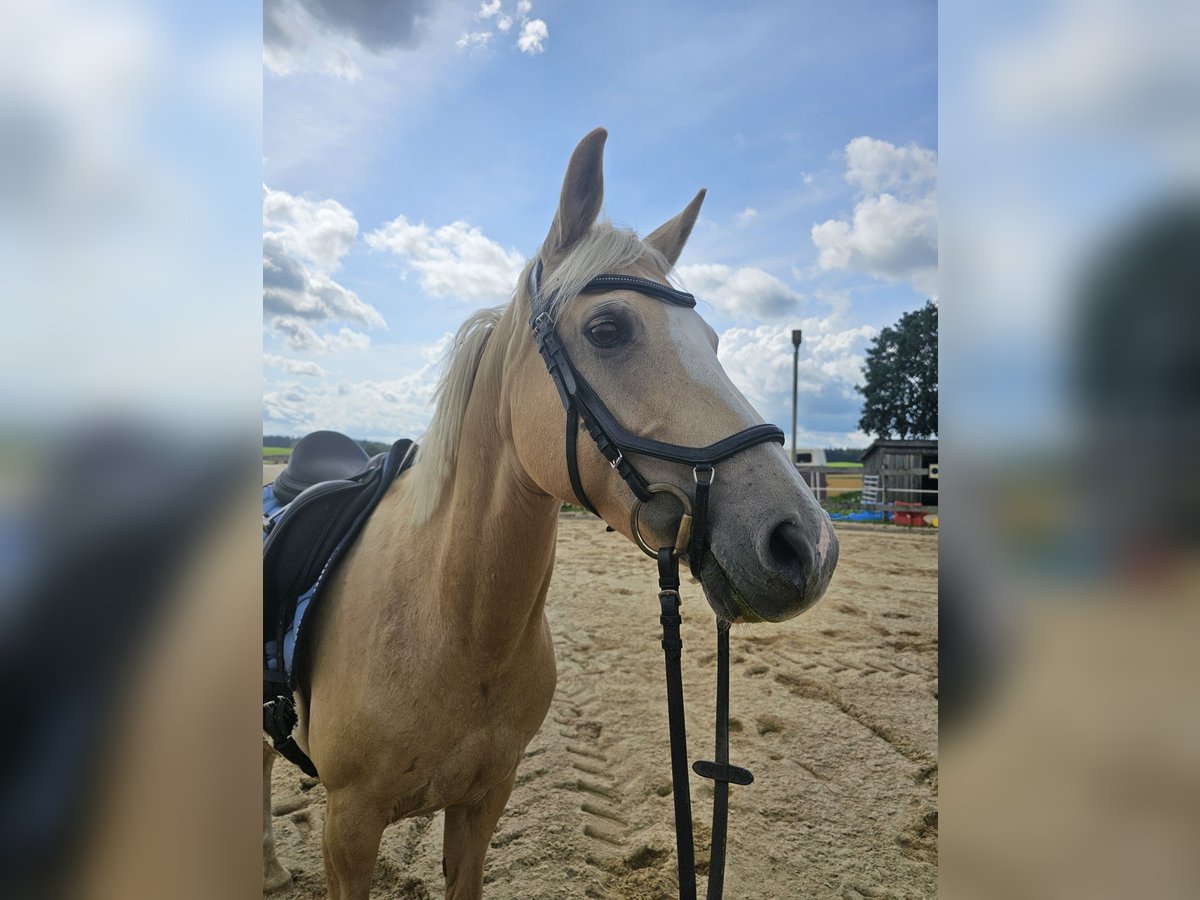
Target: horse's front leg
<point x="466" y="838"/>
<point x="354" y="823"/>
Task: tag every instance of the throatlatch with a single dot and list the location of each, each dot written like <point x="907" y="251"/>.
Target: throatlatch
<point x="585" y="407"/>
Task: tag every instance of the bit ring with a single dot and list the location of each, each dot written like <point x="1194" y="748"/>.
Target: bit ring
<point x="682" y="537"/>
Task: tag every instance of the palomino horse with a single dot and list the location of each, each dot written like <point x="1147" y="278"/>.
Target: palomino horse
<point x="432" y="664"/>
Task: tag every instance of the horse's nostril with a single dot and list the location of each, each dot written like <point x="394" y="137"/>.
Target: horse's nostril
<point x="789" y="552"/>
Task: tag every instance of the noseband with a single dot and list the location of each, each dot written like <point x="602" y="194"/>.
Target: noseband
<point x="583" y="404"/>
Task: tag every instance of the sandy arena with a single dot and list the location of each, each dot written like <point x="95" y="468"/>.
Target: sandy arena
<point x="835" y="713"/>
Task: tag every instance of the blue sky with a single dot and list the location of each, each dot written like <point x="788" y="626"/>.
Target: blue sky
<point x="413" y="156"/>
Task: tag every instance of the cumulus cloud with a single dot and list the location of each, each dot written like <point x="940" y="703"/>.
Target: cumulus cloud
<point x="887" y="238"/>
<point x="758" y="361"/>
<point x="455" y="260"/>
<point x="892" y="232"/>
<point x="876" y="166"/>
<point x="303" y="243"/>
<point x="531" y="40"/>
<point x="746" y="216"/>
<point x="291" y="288"/>
<point x="303" y="338"/>
<point x="293" y="366"/>
<point x="474" y="40"/>
<point x="322" y="35"/>
<point x="534" y="35"/>
<point x="386" y="409"/>
<point x="742" y="292"/>
<point x="321" y="232"/>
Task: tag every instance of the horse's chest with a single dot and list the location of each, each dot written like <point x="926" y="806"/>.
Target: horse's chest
<point x="478" y="731"/>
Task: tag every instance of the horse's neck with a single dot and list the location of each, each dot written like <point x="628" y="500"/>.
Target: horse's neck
<point x="496" y="530"/>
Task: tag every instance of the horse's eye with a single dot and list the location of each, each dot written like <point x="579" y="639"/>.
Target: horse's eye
<point x="605" y="333"/>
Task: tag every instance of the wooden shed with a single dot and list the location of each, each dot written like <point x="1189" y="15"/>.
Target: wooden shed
<point x="899" y="470"/>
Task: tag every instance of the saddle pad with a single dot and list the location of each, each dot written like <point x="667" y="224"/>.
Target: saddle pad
<point x="303" y="543"/>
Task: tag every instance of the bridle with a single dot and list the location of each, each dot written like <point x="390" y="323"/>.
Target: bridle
<point x="584" y="406"/>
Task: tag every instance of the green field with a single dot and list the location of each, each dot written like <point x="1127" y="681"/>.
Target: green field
<point x="277" y="451"/>
<point x="844" y="465"/>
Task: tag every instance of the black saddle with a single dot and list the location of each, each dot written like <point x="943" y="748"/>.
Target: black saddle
<point x="303" y="546"/>
<point x="317" y="457"/>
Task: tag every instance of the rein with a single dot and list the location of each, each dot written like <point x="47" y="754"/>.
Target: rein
<point x="584" y="407"/>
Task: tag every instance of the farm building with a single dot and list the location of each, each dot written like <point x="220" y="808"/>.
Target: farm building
<point x="898" y="471"/>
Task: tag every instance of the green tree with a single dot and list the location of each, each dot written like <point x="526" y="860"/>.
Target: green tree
<point x="900" y="396"/>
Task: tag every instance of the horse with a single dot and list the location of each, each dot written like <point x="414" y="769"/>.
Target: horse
<point x="431" y="664"/>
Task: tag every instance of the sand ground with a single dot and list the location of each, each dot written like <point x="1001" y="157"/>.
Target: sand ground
<point x="835" y="713"/>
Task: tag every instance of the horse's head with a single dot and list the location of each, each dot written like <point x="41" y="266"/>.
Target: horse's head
<point x="651" y="361"/>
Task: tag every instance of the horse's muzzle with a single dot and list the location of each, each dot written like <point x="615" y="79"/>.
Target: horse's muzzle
<point x="786" y="571"/>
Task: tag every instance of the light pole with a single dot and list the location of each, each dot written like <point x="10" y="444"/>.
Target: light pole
<point x="797" y="335"/>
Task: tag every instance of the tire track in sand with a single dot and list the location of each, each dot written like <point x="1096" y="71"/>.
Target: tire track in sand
<point x="600" y="801"/>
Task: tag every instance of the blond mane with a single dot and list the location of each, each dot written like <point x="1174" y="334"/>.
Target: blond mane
<point x="605" y="248"/>
<point x="438" y="451"/>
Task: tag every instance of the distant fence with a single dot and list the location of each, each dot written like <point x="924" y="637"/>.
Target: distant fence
<point x="878" y="494"/>
<point x="830" y="481"/>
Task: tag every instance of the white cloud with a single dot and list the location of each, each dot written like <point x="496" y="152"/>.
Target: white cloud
<point x="758" y="360"/>
<point x="303" y="242"/>
<point x="887" y="238"/>
<point x="321" y="232"/>
<point x="292" y="288"/>
<point x="301" y="337"/>
<point x="746" y="216"/>
<point x="531" y="40"/>
<point x="875" y="166"/>
<point x="455" y="260"/>
<point x="743" y="292"/>
<point x="293" y="366"/>
<point x="892" y="233"/>
<point x="473" y="40"/>
<point x="387" y="409"/>
<point x="534" y="35"/>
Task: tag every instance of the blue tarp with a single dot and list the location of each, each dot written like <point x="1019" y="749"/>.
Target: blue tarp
<point x="862" y="515"/>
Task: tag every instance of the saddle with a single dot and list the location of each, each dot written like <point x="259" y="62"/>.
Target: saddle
<point x="312" y="514"/>
<point x="317" y="457"/>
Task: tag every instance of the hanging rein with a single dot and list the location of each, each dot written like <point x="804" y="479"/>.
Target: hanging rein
<point x="584" y="406"/>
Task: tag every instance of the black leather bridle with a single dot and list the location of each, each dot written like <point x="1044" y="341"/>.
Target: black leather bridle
<point x="583" y="405"/>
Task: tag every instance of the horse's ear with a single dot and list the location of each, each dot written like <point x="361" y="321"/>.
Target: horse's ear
<point x="669" y="238"/>
<point x="582" y="195"/>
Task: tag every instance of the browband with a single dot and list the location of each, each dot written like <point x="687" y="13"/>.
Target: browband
<point x="641" y="285"/>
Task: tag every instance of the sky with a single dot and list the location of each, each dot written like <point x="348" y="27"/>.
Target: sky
<point x="414" y="152"/>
